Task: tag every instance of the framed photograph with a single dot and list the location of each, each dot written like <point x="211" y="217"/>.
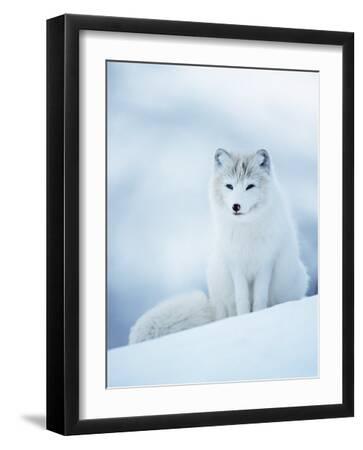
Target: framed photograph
<point x="200" y="224"/>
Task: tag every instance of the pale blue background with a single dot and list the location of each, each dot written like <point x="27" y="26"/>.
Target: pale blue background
<point x="164" y="124"/>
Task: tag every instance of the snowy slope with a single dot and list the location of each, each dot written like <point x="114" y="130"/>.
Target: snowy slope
<point x="279" y="342"/>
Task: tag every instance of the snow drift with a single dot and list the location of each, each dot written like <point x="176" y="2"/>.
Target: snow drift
<point x="278" y="342"/>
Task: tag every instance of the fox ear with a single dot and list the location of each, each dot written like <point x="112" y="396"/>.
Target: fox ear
<point x="222" y="157"/>
<point x="264" y="160"/>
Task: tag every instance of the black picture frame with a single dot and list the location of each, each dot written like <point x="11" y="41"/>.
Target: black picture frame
<point x="63" y="223"/>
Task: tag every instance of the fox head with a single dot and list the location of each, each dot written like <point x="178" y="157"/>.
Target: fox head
<point x="240" y="184"/>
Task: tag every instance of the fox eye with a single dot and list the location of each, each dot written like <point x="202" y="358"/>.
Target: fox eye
<point x="229" y="186"/>
<point x="250" y="186"/>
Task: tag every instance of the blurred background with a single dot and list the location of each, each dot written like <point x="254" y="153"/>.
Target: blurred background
<point x="164" y="123"/>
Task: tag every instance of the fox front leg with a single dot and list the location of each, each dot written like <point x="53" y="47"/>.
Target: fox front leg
<point x="241" y="291"/>
<point x="261" y="289"/>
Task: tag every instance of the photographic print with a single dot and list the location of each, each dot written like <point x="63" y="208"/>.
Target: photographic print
<point x="212" y="224"/>
<point x="200" y="224"/>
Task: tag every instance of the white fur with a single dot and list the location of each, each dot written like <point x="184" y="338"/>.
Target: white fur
<point x="175" y="314"/>
<point x="254" y="262"/>
<point x="255" y="259"/>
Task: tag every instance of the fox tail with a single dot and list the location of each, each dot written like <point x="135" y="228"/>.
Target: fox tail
<point x="177" y="313"/>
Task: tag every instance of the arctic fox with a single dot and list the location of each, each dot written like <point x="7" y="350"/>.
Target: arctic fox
<point x="254" y="262"/>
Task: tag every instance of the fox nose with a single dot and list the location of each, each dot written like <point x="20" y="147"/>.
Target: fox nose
<point x="236" y="207"/>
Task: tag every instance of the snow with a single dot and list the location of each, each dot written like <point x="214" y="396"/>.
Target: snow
<point x="278" y="342"/>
